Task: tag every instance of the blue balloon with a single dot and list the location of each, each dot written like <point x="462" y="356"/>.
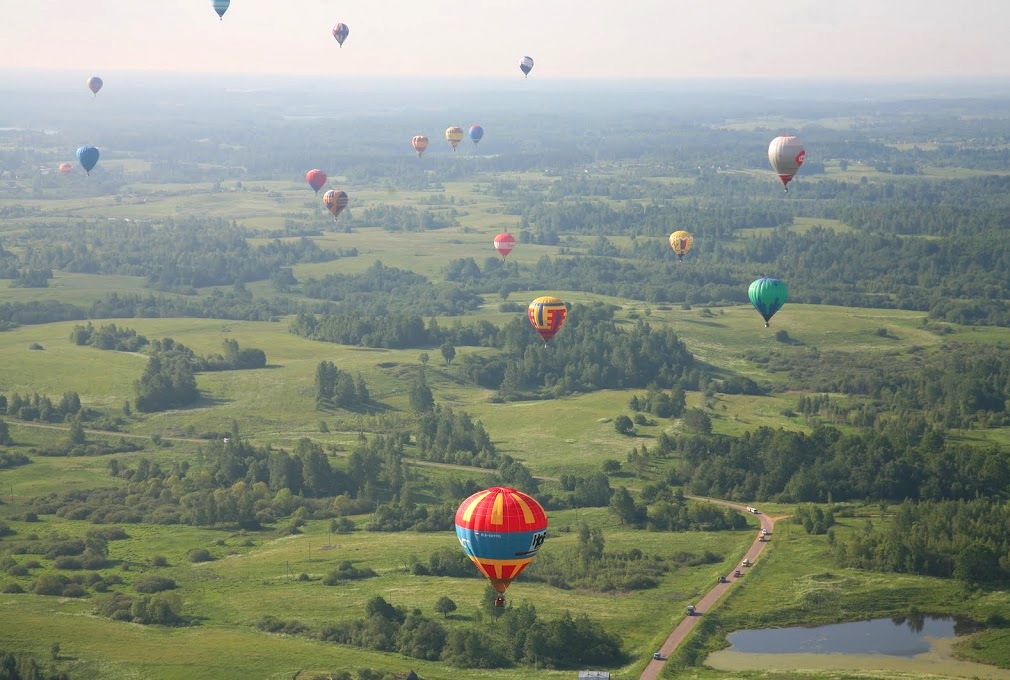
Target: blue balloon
<point x="88" y="156"/>
<point x="221" y="6"/>
<point x="476" y="133"/>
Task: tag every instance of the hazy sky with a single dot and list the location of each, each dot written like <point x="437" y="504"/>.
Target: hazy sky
<point x="889" y="39"/>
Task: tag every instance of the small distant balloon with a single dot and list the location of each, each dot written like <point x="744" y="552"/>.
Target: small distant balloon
<point x="681" y="242"/>
<point x="767" y="296"/>
<point x="340" y="32"/>
<point x="420" y="143"/>
<point x="335" y="201"/>
<point x="88" y="156"/>
<point x="786" y="155"/>
<point x="476" y="134"/>
<point x="66" y="168"/>
<point x="454" y="135"/>
<point x="526" y="65"/>
<point x="220" y="6"/>
<point x="316" y="179"/>
<point x="95" y="84"/>
<point x="547" y="314"/>
<point x="504" y="243"/>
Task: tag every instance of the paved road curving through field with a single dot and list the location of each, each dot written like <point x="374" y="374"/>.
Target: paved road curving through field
<point x="706" y="603"/>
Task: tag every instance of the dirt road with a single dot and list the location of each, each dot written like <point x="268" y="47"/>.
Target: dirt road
<point x="706" y="603"/>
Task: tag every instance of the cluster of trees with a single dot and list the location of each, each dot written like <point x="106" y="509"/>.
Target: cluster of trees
<point x="814" y="519"/>
<point x="666" y="509"/>
<point x="167" y="382"/>
<point x="594" y="354"/>
<point x="336" y="388"/>
<point x="447" y="436"/>
<point x="380" y="290"/>
<point x="108" y="336"/>
<point x="15" y="666"/>
<point x="521" y="637"/>
<point x="163" y="608"/>
<point x="405" y="218"/>
<point x="968" y="540"/>
<point x="169" y="379"/>
<point x="41" y="408"/>
<point x="175" y="255"/>
<point x="906" y="460"/>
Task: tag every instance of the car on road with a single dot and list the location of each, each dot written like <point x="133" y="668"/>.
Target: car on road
<point x="657" y="656"/>
<point x="690" y="610"/>
<point x="737" y="574"/>
<point x="746" y="562"/>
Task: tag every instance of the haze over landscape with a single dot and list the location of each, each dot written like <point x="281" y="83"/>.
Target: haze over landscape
<point x="382" y="360"/>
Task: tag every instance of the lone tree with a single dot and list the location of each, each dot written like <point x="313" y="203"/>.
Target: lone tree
<point x="448" y="352"/>
<point x="445" y="606"/>
<point x="623" y="424"/>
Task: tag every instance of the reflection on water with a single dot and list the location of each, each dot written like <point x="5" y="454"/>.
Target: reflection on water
<point x="899" y="636"/>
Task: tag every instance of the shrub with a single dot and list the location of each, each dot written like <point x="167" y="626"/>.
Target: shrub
<point x="159" y="561"/>
<point x="153" y="584"/>
<point x="200" y="555"/>
<point x="12" y="589"/>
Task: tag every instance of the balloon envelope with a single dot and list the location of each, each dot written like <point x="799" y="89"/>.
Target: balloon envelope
<point x="65" y="168"/>
<point x="526" y="65"/>
<point x="547" y="314"/>
<point x="316" y="179"/>
<point x="95" y="84"/>
<point x="454" y="135"/>
<point x="504" y="243"/>
<point x="335" y="201"/>
<point x="681" y="242"/>
<point x="501" y="530"/>
<point x="420" y="143"/>
<point x="767" y="296"/>
<point x="220" y="6"/>
<point x="88" y="156"/>
<point x="340" y="32"/>
<point x="786" y="155"/>
<point x="476" y="133"/>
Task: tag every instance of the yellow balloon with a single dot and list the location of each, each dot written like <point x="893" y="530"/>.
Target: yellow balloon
<point x="681" y="242"/>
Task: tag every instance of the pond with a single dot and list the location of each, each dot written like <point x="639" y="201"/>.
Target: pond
<point x="912" y="645"/>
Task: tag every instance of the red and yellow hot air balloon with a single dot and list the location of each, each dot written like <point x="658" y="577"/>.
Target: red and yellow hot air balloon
<point x="454" y="135"/>
<point x="420" y="143"/>
<point x="681" y="242"/>
<point x="316" y="179"/>
<point x="504" y="243"/>
<point x="335" y="201"/>
<point x="501" y="530"/>
<point x="66" y="168"/>
<point x="547" y="314"/>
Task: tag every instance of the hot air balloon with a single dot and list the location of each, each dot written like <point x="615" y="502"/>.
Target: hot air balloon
<point x="420" y="143"/>
<point x="767" y="296"/>
<point x="547" y="314"/>
<point x="786" y="156"/>
<point x="501" y="530"/>
<point x="88" y="156"/>
<point x="95" y="84"/>
<point x="65" y="168"/>
<point x="335" y="201"/>
<point x="504" y="243"/>
<point x="340" y="32"/>
<point x="316" y="179"/>
<point x="454" y="135"/>
<point x="476" y="133"/>
<point x="220" y="6"/>
<point x="681" y="242"/>
<point x="526" y="65"/>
